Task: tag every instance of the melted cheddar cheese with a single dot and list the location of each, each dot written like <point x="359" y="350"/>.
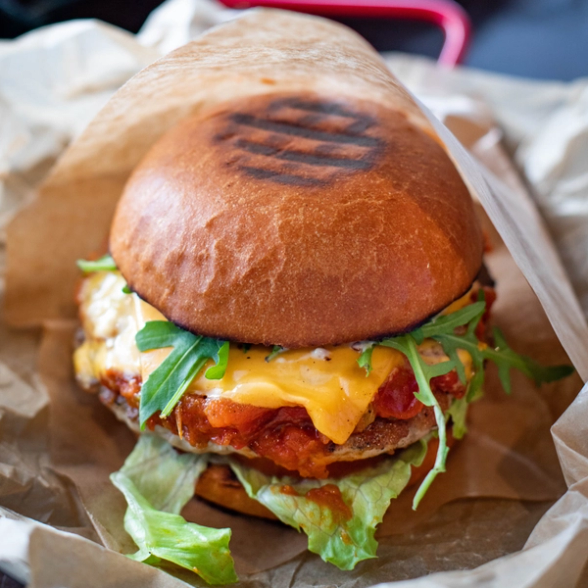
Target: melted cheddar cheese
<point x="328" y="382"/>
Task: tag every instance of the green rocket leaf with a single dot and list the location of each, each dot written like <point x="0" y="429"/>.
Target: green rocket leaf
<point x="104" y="264"/>
<point x="166" y="385"/>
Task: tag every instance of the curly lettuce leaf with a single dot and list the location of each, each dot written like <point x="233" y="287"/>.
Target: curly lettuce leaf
<point x="337" y="539"/>
<point x="157" y="482"/>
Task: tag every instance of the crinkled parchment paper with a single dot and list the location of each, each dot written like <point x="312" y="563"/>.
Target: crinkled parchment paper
<point x="58" y="444"/>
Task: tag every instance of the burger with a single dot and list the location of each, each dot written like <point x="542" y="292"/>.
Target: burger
<point x="294" y="298"/>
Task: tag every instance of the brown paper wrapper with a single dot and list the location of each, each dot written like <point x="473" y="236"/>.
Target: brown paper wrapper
<point x="501" y="479"/>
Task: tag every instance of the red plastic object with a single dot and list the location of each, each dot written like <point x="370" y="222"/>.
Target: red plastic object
<point x="446" y="14"/>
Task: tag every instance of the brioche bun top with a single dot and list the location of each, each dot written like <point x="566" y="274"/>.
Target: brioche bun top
<point x="297" y="220"/>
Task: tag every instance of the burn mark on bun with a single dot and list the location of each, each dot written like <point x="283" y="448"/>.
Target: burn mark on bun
<point x="316" y="158"/>
<point x="302" y="142"/>
<point x="299" y="129"/>
<point x="319" y="106"/>
<point x="282" y="178"/>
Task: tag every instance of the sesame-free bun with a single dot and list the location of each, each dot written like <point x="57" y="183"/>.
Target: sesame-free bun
<point x="297" y="220"/>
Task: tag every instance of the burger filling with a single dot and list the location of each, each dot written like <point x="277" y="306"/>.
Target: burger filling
<point x="301" y="409"/>
<point x="307" y="433"/>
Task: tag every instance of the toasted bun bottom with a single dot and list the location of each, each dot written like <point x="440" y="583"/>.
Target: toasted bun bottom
<point x="219" y="485"/>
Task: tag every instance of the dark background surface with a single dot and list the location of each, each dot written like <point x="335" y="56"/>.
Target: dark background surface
<point x="534" y="38"/>
<point x="545" y="39"/>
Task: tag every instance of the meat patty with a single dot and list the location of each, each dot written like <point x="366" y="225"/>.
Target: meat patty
<point x="286" y="437"/>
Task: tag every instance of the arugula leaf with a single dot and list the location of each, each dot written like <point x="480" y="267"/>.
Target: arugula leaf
<point x="457" y="412"/>
<point x="440" y="324"/>
<point x="447" y="323"/>
<point x="442" y="329"/>
<point x="157" y="482"/>
<point x="423" y="374"/>
<point x="217" y="372"/>
<point x="166" y="385"/>
<point x="337" y="539"/>
<point x="276" y="350"/>
<point x="104" y="264"/>
<point x="365" y="359"/>
<point x="476" y="387"/>
<point x="503" y="356"/>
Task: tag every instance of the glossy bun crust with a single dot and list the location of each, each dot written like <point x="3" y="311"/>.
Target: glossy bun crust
<point x="297" y="220"/>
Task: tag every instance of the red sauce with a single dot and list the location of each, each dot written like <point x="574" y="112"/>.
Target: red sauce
<point x="246" y="419"/>
<point x="327" y="496"/>
<point x="330" y="497"/>
<point x="395" y="398"/>
<point x="285" y="436"/>
<point x="295" y="447"/>
<point x="128" y="388"/>
<point x="449" y="384"/>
